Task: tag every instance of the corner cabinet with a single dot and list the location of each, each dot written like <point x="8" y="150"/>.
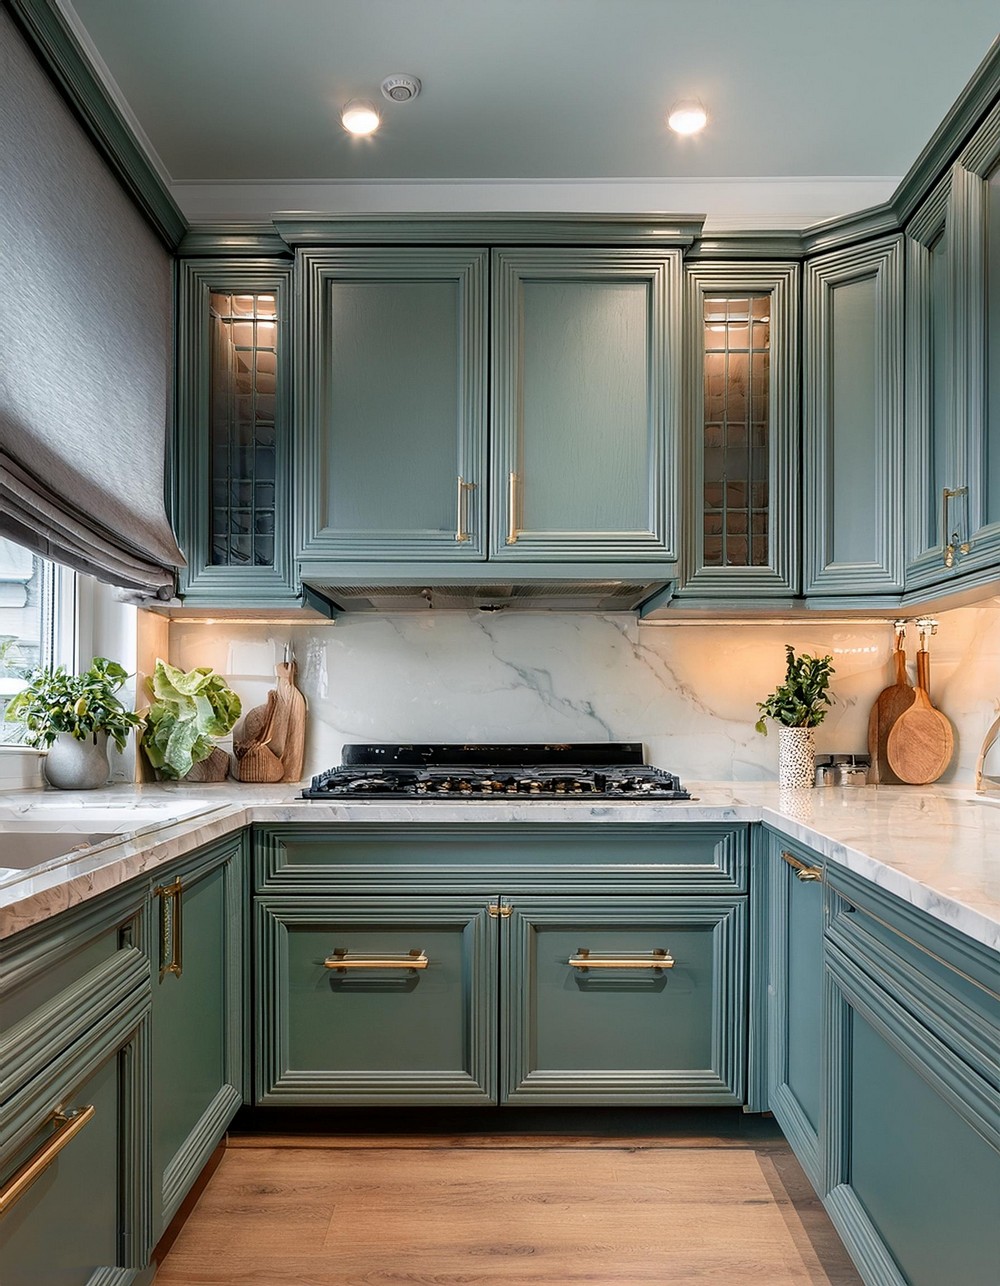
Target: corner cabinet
<point x="394" y="430"/>
<point x="852" y="422"/>
<point x="953" y="343"/>
<point x="741" y="440"/>
<point x="233" y="458"/>
<point x="501" y="964"/>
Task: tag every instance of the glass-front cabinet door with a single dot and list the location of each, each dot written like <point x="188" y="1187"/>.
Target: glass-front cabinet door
<point x="233" y="433"/>
<point x="741" y="430"/>
<point x="392" y="403"/>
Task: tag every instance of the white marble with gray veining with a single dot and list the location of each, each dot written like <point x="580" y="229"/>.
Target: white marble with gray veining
<point x="936" y="848"/>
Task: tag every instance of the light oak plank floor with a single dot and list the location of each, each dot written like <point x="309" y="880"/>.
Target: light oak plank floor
<point x="519" y="1210"/>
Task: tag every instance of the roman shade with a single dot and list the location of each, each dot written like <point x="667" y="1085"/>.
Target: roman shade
<point x="85" y="334"/>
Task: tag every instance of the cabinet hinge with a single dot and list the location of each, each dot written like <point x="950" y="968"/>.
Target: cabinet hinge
<point x="497" y="912"/>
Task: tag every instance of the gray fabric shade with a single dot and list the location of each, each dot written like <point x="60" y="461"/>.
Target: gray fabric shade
<point x="85" y="334"/>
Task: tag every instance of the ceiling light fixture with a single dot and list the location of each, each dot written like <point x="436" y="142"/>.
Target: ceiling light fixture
<point x="360" y="117"/>
<point x="687" y="117"/>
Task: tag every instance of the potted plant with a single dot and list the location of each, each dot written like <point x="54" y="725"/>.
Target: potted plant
<point x="189" y="710"/>
<point x="798" y="705"/>
<point x="74" y="715"/>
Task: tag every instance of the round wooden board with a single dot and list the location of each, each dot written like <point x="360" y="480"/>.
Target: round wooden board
<point x="920" y="745"/>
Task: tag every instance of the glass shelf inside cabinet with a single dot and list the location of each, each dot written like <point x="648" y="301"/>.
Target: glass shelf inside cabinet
<point x="244" y="372"/>
<point x="737" y="334"/>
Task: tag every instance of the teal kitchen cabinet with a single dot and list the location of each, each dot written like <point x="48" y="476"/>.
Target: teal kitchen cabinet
<point x="74" y="1169"/>
<point x="912" y="1122"/>
<point x="233" y="450"/>
<point x="953" y="373"/>
<point x="741" y="437"/>
<point x="852" y="421"/>
<point x="617" y="1000"/>
<point x="794" y="1018"/>
<point x="443" y="964"/>
<point x="391" y="385"/>
<point x="199" y="1010"/>
<point x="586" y="398"/>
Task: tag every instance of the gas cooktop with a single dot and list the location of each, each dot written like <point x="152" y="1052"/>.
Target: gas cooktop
<point x="580" y="770"/>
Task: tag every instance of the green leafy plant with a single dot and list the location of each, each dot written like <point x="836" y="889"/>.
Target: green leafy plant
<point x="83" y="705"/>
<point x="800" y="701"/>
<point x="187" y="712"/>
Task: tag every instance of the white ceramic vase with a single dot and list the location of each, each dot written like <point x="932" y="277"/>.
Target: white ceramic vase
<point x="796" y="758"/>
<point x="77" y="765"/>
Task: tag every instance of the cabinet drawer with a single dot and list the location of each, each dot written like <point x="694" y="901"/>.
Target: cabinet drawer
<point x="595" y="1017"/>
<point x="458" y="859"/>
<point x="375" y="1028"/>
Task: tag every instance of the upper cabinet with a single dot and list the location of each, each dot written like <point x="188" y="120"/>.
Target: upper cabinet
<point x="853" y="421"/>
<point x="953" y="373"/>
<point x="392" y="403"/>
<point x="397" y="459"/>
<point x="586" y="403"/>
<point x="233" y="460"/>
<point x="741" y="440"/>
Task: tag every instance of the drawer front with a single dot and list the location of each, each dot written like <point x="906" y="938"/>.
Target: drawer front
<point x="386" y="1031"/>
<point x="644" y="1031"/>
<point x="456" y="859"/>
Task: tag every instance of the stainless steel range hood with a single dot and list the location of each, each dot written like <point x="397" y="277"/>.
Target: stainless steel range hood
<point x="539" y="587"/>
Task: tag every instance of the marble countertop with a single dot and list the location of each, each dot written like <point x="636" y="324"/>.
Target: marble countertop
<point x="935" y="847"/>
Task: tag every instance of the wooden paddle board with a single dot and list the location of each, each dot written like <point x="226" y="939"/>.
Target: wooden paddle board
<point x="921" y="742"/>
<point x="890" y="703"/>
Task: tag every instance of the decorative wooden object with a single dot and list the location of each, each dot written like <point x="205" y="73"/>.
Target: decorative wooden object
<point x="921" y="742"/>
<point x="890" y="703"/>
<point x="272" y="745"/>
<point x="214" y="768"/>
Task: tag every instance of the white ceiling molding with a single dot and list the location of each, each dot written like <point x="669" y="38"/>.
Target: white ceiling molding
<point x="733" y="203"/>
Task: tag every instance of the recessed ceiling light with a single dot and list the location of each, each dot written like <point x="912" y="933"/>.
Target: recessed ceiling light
<point x="360" y="117"/>
<point x="687" y="117"/>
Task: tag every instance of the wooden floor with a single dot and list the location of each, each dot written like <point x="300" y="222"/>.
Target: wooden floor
<point x="517" y="1210"/>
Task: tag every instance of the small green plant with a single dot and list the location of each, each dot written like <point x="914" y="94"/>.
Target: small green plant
<point x="187" y="712"/>
<point x="800" y="701"/>
<point x="83" y="705"/>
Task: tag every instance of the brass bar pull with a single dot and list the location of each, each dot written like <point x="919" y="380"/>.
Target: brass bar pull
<point x="512" y="481"/>
<point x="69" y="1124"/>
<point x="341" y="959"/>
<point x="658" y="958"/>
<point x="171" y="929"/>
<point x="807" y="874"/>
<point x="461" y="522"/>
<point x="950" y="540"/>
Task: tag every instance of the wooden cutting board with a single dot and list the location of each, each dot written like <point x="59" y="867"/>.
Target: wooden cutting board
<point x="890" y="703"/>
<point x="921" y="742"/>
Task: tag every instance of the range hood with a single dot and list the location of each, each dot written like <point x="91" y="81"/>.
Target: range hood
<point x="539" y="587"/>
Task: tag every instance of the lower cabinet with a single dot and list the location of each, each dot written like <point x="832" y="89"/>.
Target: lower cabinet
<point x="73" y="1136"/>
<point x="378" y="991"/>
<point x="198" y="1016"/>
<point x="794" y="1020"/>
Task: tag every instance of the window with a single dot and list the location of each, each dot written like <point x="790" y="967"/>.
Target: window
<point x="31" y="593"/>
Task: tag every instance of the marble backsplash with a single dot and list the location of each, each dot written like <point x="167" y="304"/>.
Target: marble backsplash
<point x="688" y="690"/>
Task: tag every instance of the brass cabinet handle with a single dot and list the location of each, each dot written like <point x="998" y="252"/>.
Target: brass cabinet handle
<point x="341" y="959"/>
<point x="949" y="540"/>
<point x="512" y="481"/>
<point x="807" y="874"/>
<point x="69" y="1124"/>
<point x="171" y="929"/>
<point x="658" y="958"/>
<point x="461" y="521"/>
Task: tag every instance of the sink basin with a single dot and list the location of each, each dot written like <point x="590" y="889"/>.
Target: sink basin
<point x="20" y="850"/>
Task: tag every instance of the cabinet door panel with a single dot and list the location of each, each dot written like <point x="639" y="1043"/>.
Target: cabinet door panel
<point x="367" y="1034"/>
<point x="795" y="999"/>
<point x="853" y="420"/>
<point x="198" y="1019"/>
<point x="585" y="403"/>
<point x="393" y="408"/>
<point x="625" y="1035"/>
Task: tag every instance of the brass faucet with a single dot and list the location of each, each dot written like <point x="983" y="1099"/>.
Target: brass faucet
<point x="984" y="783"/>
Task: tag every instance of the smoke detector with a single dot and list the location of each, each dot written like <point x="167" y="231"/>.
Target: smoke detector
<point x="400" y="88"/>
